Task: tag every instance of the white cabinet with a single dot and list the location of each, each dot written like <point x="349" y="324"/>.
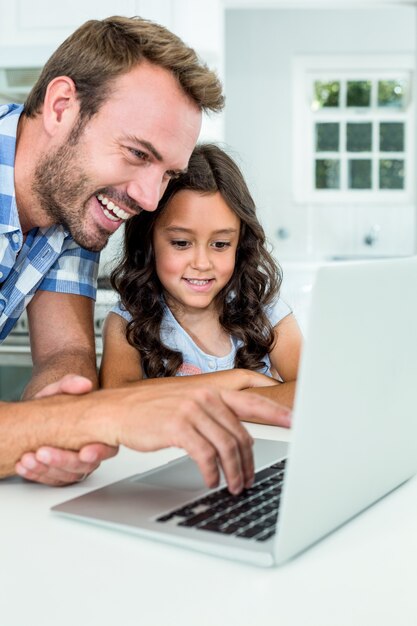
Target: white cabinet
<point x="47" y="23"/>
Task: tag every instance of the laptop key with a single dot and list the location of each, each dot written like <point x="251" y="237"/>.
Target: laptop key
<point x="196" y="519"/>
<point x="250" y="532"/>
<point x="231" y="530"/>
<point x="186" y="511"/>
<point x="251" y="514"/>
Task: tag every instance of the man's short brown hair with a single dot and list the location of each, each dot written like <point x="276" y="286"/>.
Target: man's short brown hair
<point x="99" y="51"/>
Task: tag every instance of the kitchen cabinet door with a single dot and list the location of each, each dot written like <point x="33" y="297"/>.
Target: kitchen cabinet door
<point x="44" y="22"/>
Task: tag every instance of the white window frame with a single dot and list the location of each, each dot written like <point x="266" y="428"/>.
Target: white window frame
<point x="307" y="69"/>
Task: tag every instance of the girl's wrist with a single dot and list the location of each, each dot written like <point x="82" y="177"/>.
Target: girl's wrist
<point x="235" y="379"/>
<point x="243" y="378"/>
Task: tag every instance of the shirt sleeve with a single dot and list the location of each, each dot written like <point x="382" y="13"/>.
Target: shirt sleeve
<point x="120" y="310"/>
<point x="75" y="271"/>
<point x="277" y="311"/>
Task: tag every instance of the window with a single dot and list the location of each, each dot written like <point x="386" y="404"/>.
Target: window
<point x="353" y="123"/>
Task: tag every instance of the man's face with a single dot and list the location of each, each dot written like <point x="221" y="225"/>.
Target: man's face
<point x="121" y="161"/>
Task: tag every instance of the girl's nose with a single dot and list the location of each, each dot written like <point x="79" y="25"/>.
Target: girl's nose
<point x="201" y="258"/>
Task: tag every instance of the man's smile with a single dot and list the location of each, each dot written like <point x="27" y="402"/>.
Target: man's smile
<point x="112" y="211"/>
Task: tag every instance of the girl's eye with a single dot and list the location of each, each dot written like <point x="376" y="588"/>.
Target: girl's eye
<point x="221" y="245"/>
<point x="180" y="244"/>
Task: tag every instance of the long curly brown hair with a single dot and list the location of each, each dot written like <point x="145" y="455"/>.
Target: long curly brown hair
<point x="254" y="284"/>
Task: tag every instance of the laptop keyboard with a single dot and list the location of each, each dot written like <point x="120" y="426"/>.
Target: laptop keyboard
<point x="252" y="514"/>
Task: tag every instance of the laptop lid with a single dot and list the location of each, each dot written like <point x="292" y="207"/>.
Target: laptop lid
<point x="355" y="417"/>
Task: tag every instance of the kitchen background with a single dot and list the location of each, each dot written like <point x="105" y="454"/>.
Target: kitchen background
<point x="320" y="115"/>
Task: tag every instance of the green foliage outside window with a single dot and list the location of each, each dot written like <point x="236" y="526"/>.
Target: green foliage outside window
<point x="327" y="174"/>
<point x="350" y="132"/>
<point x="359" y="93"/>
<point x="326" y="94"/>
<point x="391" y="174"/>
<point x="360" y="174"/>
<point x="359" y="137"/>
<point x="327" y="137"/>
<point x="391" y="93"/>
<point x="391" y="136"/>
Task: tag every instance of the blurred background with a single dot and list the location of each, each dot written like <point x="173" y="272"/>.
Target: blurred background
<point x="320" y="115"/>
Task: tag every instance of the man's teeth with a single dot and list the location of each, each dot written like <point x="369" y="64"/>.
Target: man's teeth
<point x="194" y="281"/>
<point x="116" y="212"/>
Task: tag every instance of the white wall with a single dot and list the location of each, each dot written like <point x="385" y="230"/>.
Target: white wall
<point x="260" y="46"/>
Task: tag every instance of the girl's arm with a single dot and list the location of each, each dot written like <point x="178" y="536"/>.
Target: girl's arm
<point x="121" y="365"/>
<point x="285" y="358"/>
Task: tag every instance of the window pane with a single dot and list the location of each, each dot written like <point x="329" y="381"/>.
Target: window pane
<point x="359" y="137"/>
<point x="391" y="174"/>
<point x="359" y="93"/>
<point x="391" y="93"/>
<point x="326" y="94"/>
<point x="327" y="137"/>
<point x="327" y="174"/>
<point x="360" y="174"/>
<point x="391" y="136"/>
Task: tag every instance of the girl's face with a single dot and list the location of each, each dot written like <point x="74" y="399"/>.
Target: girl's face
<point x="195" y="242"/>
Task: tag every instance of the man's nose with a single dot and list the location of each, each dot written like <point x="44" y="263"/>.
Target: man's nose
<point x="146" y="191"/>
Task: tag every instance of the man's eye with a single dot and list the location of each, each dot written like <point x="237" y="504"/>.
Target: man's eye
<point x="138" y="154"/>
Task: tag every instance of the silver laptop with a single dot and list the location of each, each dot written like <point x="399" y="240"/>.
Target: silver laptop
<point x="354" y="434"/>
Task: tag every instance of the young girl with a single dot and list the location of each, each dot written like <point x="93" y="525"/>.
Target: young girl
<point x="199" y="290"/>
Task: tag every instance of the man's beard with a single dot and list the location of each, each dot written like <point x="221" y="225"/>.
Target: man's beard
<point x="63" y="190"/>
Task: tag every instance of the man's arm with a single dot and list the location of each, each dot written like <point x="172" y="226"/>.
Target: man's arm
<point x="62" y="343"/>
<point x="61" y="338"/>
<point x="201" y="420"/>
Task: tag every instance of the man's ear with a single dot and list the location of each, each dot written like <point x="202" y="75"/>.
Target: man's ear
<point x="60" y="107"/>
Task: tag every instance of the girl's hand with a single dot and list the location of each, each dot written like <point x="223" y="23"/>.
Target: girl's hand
<point x="239" y="379"/>
<point x="255" y="379"/>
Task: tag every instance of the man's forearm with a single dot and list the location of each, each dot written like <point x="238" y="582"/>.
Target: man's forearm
<point x="68" y="422"/>
<point x="81" y="362"/>
<point x="203" y="421"/>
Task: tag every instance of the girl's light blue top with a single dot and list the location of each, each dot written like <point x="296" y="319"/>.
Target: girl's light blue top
<point x="195" y="360"/>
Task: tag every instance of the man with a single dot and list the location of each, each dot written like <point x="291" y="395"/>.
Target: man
<point x="113" y="117"/>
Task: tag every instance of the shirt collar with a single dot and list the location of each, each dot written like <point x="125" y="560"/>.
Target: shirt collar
<point x="9" y="118"/>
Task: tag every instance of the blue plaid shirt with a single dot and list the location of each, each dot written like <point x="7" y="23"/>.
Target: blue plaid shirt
<point x="48" y="259"/>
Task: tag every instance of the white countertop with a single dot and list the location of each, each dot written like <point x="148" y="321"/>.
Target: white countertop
<point x="56" y="571"/>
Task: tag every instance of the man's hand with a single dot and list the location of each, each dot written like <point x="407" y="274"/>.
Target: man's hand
<point x="71" y="383"/>
<point x="204" y="421"/>
<point x="53" y="466"/>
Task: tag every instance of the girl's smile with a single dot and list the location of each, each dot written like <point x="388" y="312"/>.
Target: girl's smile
<point x="198" y="284"/>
